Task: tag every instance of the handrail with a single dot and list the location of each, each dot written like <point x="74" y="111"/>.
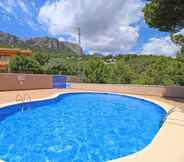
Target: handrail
<point x="19" y="98"/>
<point x="28" y="97"/>
<point x="22" y="99"/>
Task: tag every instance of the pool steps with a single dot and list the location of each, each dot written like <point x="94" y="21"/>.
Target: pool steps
<point x="171" y="111"/>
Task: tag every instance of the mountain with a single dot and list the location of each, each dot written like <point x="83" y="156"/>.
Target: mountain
<point x="39" y="43"/>
<point x="9" y="40"/>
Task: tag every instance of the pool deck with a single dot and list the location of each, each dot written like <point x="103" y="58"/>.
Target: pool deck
<point x="167" y="146"/>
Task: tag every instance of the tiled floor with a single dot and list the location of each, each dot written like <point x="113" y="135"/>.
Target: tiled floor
<point x="167" y="146"/>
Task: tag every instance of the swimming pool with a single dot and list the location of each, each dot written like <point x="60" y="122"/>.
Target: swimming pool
<point x="78" y="127"/>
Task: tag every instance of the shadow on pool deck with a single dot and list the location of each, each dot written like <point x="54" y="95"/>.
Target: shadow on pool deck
<point x="175" y="121"/>
<point x="179" y="100"/>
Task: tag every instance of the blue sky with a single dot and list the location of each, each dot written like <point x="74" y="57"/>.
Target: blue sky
<point x="113" y="27"/>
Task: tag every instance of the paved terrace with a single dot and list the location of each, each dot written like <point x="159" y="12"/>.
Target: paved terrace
<point x="167" y="146"/>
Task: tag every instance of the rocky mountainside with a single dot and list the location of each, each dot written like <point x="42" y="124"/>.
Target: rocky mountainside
<point x="9" y="40"/>
<point x="41" y="43"/>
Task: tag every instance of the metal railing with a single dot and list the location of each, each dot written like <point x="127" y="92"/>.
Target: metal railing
<point x="23" y="99"/>
<point x="27" y="97"/>
<point x="19" y="98"/>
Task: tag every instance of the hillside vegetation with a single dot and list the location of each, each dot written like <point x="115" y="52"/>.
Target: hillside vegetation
<point x="125" y="69"/>
<point x="122" y="69"/>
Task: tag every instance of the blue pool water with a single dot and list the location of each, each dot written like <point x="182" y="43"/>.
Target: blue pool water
<point x="78" y="127"/>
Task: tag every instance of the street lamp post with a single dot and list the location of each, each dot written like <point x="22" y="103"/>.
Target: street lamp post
<point x="78" y="58"/>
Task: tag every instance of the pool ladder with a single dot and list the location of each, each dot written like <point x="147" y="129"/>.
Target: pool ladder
<point x="171" y="111"/>
<point x="23" y="99"/>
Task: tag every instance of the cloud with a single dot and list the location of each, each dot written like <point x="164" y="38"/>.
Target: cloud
<point x="2" y="5"/>
<point x="22" y="12"/>
<point x="8" y="5"/>
<point x="181" y="32"/>
<point x="68" y="38"/>
<point x="23" y="6"/>
<point x="160" y="46"/>
<point x="106" y="26"/>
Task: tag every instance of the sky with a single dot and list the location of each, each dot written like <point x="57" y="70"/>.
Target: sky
<point x="108" y="27"/>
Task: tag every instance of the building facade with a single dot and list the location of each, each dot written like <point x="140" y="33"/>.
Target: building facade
<point x="7" y="53"/>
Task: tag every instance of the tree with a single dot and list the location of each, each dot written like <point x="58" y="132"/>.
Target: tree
<point x="55" y="66"/>
<point x="180" y="55"/>
<point x="60" y="66"/>
<point x="124" y="69"/>
<point x="165" y="71"/>
<point x="168" y="16"/>
<point x="95" y="71"/>
<point x="165" y="15"/>
<point x="41" y="58"/>
<point x="122" y="73"/>
<point x="24" y="64"/>
<point x="179" y="40"/>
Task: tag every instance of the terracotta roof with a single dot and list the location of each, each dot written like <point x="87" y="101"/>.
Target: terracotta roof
<point x="14" y="52"/>
<point x="3" y="66"/>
